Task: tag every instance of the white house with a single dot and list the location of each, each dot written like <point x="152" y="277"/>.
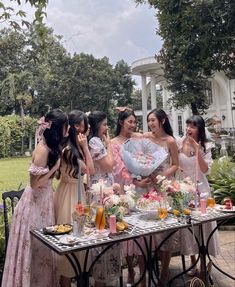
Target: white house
<point x="221" y="95"/>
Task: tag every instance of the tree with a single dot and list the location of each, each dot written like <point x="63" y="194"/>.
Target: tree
<point x="199" y="38"/>
<point x="55" y="78"/>
<point x="123" y="84"/>
<point x="16" y="18"/>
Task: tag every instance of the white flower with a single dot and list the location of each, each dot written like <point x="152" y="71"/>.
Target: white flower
<point x="115" y="199"/>
<point x="160" y="178"/>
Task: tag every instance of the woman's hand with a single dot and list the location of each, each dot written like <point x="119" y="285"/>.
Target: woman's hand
<point x="143" y="183"/>
<point x="191" y="141"/>
<point x="106" y="139"/>
<point x="82" y="140"/>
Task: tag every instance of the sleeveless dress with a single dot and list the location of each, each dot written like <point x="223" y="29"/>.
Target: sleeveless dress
<point x="172" y="243"/>
<point x="108" y="267"/>
<point x="29" y="263"/>
<point x="65" y="200"/>
<point x="188" y="166"/>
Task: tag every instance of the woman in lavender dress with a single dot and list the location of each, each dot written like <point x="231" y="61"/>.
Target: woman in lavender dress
<point x="29" y="263"/>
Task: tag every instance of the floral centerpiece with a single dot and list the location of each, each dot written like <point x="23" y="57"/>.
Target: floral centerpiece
<point x="177" y="193"/>
<point x="112" y="199"/>
<point x="149" y="200"/>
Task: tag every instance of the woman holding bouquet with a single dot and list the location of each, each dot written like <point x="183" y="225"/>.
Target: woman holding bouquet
<point x="108" y="267"/>
<point x="195" y="161"/>
<point x="161" y="134"/>
<point x="28" y="262"/>
<point x="125" y="130"/>
<point x="75" y="153"/>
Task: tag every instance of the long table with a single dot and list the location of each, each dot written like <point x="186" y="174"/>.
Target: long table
<point x="140" y="225"/>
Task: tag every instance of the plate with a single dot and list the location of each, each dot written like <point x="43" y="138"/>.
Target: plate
<point x="222" y="208"/>
<point x="68" y="240"/>
<point x="58" y="229"/>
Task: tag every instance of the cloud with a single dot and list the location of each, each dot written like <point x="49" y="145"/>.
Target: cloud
<point x="118" y="29"/>
<point x="113" y="28"/>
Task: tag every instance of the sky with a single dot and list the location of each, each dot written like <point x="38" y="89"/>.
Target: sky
<point x="118" y="29"/>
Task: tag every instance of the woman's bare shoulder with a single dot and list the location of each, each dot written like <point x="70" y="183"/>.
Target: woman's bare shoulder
<point x="137" y="135"/>
<point x="114" y="140"/>
<point x="147" y="135"/>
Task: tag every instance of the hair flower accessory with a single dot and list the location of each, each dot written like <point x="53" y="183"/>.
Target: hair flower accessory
<point x="123" y="109"/>
<point x="43" y="125"/>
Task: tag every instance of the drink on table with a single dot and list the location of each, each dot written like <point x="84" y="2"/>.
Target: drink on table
<point x="100" y="218"/>
<point x="162" y="211"/>
<point x="210" y="202"/>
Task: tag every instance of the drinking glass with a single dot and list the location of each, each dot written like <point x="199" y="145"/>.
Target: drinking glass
<point x="211" y="202"/>
<point x="88" y="213"/>
<point x="100" y="218"/>
<point x="162" y="212"/>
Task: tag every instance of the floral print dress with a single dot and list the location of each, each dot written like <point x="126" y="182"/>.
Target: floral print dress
<point x="29" y="263"/>
<point x="108" y="267"/>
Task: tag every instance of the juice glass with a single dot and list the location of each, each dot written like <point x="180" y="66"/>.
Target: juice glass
<point x="162" y="212"/>
<point x="100" y="218"/>
<point x="211" y="202"/>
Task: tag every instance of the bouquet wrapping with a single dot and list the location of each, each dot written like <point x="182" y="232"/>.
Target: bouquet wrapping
<point x="142" y="157"/>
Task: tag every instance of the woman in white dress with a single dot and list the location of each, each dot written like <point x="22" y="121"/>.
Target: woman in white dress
<point x="194" y="150"/>
<point x="161" y="134"/>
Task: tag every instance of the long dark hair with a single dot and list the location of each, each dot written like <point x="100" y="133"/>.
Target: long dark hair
<point x="95" y="120"/>
<point x="72" y="153"/>
<point x="122" y="116"/>
<point x="55" y="134"/>
<point x="198" y="121"/>
<point x="163" y="120"/>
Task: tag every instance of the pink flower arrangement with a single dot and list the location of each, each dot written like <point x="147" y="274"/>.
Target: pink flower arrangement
<point x="111" y="199"/>
<point x="149" y="200"/>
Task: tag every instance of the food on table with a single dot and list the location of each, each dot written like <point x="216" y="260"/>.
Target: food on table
<point x="122" y="225"/>
<point x="187" y="211"/>
<point x="176" y="212"/>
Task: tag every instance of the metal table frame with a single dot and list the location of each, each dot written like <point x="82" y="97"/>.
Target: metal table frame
<point x="82" y="274"/>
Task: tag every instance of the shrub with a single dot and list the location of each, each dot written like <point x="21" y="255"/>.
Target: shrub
<point x="222" y="179"/>
<point x="11" y="134"/>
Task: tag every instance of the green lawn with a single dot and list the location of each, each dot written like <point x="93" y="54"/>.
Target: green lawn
<point x="13" y="172"/>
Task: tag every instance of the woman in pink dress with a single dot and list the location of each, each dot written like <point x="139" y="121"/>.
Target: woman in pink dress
<point x="29" y="263"/>
<point x="162" y="135"/>
<point x="194" y="150"/>
<point x="126" y="126"/>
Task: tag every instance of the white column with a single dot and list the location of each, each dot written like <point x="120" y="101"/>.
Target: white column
<point x="153" y="93"/>
<point x="144" y="103"/>
<point x="230" y="89"/>
<point x="164" y="97"/>
<point x="175" y="122"/>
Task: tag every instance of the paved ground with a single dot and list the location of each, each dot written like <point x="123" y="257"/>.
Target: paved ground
<point x="225" y="261"/>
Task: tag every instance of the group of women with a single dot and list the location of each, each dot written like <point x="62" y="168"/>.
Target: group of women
<point x="77" y="144"/>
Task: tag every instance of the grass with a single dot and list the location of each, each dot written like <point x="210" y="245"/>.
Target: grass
<point x="14" y="171"/>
